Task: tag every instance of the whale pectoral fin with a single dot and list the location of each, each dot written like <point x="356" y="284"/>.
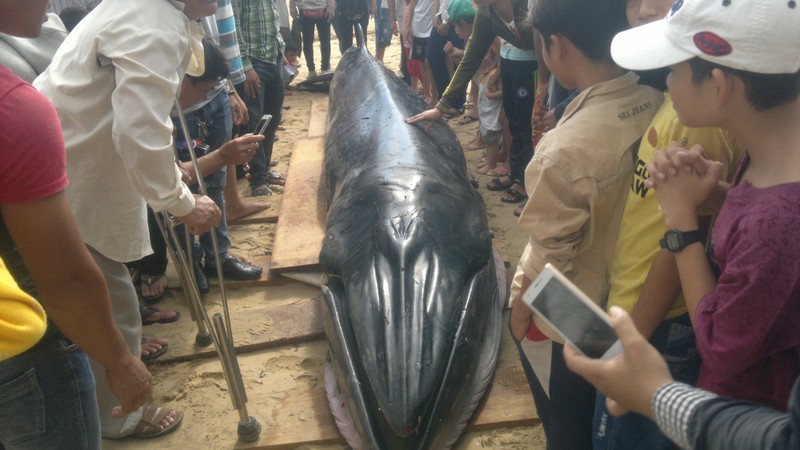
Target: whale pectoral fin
<point x="343" y="353"/>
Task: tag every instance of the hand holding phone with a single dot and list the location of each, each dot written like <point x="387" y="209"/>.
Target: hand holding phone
<point x="261" y="127"/>
<point x="574" y="316"/>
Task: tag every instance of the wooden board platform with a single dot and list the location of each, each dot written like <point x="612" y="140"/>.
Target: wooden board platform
<point x="302" y="416"/>
<point x="301" y="224"/>
<point x="259" y="321"/>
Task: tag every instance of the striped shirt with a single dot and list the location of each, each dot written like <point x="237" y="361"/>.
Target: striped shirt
<point x="258" y="31"/>
<point x="228" y="42"/>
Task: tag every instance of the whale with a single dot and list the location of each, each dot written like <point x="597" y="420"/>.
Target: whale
<point x="414" y="293"/>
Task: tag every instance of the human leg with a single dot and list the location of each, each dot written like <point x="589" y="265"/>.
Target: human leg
<point x="271" y="101"/>
<point x="235" y="208"/>
<point x="307" y="30"/>
<point x="564" y="401"/>
<point x="344" y="33"/>
<point x="518" y="98"/>
<point x="674" y="338"/>
<point x="125" y="310"/>
<point x="49" y="398"/>
<point x="324" y="35"/>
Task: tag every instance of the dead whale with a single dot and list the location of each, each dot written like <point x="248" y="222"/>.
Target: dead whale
<point x="413" y="301"/>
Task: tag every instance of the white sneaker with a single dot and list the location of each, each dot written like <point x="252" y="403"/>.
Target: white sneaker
<point x="312" y="74"/>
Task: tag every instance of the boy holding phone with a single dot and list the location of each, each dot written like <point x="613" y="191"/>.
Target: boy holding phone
<point x="577" y="181"/>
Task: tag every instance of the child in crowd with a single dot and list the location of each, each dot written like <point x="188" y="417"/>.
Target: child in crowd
<point x="490" y="109"/>
<point x="577" y="181"/>
<point x="644" y="280"/>
<point x="721" y="75"/>
<point x="385" y="27"/>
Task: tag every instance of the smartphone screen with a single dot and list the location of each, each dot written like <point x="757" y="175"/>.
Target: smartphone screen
<point x="560" y="303"/>
<point x="262" y="124"/>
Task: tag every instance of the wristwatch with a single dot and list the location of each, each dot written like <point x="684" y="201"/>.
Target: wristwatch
<point x="676" y="240"/>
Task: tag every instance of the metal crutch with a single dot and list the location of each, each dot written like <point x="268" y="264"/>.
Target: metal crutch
<point x="219" y="331"/>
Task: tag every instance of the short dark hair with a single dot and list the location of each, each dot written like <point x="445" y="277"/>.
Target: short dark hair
<point x="764" y="91"/>
<point x="215" y="62"/>
<point x="72" y="15"/>
<point x="589" y="24"/>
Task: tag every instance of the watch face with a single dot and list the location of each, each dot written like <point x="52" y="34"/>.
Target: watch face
<point x="673" y="241"/>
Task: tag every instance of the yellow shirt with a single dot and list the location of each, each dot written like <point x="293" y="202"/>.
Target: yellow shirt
<point x="22" y="319"/>
<point x="643" y="222"/>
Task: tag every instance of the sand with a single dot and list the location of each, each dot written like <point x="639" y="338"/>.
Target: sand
<point x="275" y="376"/>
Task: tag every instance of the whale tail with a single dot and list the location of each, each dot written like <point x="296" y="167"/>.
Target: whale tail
<point x="360" y="41"/>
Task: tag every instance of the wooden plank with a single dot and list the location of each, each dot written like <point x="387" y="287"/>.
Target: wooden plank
<point x="301" y="224"/>
<point x="318" y="120"/>
<point x="254" y="328"/>
<point x="302" y="416"/>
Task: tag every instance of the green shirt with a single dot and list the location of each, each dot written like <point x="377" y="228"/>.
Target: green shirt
<point x="258" y="31"/>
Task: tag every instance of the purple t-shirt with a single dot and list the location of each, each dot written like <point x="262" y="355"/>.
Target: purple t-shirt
<point x="748" y="328"/>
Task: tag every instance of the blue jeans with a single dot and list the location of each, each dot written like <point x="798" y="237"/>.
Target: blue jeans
<point x="270" y="101"/>
<point x="217" y="116"/>
<point x="674" y="338"/>
<point x="47" y="398"/>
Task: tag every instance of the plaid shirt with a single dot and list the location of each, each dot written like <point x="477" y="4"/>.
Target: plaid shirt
<point x="258" y="33"/>
<point x="673" y="405"/>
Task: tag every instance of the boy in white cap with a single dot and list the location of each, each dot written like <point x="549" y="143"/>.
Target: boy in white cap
<point x="734" y="65"/>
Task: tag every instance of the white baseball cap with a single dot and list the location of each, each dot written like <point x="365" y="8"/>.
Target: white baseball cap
<point x="761" y="36"/>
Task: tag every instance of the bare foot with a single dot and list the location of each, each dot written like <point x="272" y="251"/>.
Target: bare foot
<point x="151" y="345"/>
<point x="243" y="209"/>
<point x="486" y="167"/>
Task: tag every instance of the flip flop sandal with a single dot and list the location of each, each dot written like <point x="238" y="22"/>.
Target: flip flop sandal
<point x="149" y="311"/>
<point x="148" y="281"/>
<point x="276" y="179"/>
<point x="499" y="171"/>
<point x="496" y="185"/>
<point x="150" y="424"/>
<point x="155" y="354"/>
<point x="261" y="191"/>
<point x="467" y="120"/>
<point x="513" y="196"/>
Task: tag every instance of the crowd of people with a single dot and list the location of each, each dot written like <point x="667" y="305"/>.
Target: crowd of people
<point x="650" y="146"/>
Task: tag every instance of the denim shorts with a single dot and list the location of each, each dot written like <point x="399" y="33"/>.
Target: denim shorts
<point x="383" y="28"/>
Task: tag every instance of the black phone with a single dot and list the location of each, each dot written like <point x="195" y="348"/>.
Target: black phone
<point x="262" y="124"/>
<point x="569" y="311"/>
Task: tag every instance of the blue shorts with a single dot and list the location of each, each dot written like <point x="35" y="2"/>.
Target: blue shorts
<point x="383" y="28"/>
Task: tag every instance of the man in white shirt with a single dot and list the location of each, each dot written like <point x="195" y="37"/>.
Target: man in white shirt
<point x="113" y="82"/>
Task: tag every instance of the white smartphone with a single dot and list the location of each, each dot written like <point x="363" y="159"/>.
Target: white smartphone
<point x="262" y="124"/>
<point x="569" y="311"/>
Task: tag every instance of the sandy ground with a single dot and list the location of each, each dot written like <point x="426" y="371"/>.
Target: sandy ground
<point x="198" y="387"/>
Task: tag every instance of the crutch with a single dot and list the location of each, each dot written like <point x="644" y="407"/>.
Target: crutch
<point x="218" y="331"/>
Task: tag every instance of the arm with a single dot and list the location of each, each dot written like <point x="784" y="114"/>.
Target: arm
<point x="556" y="227"/>
<point x="73" y="291"/>
<point x="478" y="44"/>
<point x="660" y="290"/>
<point x="235" y="151"/>
<point x="639" y="381"/>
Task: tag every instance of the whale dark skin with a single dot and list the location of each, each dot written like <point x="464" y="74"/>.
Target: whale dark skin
<point x="413" y="302"/>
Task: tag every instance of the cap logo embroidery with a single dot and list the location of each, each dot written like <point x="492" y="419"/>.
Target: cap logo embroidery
<point x="711" y="44"/>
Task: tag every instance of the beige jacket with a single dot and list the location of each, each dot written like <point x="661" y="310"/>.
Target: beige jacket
<point x="577" y="182"/>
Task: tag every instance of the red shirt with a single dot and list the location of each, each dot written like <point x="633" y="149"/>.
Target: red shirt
<point x="32" y="158"/>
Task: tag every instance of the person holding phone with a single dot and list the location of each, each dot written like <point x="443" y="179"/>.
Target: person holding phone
<point x="639" y="381"/>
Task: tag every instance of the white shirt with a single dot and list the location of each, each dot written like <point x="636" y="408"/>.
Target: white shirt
<point x="113" y="82"/>
<point x="422" y="23"/>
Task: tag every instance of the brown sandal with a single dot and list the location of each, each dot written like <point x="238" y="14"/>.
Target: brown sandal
<point x="150" y="424"/>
